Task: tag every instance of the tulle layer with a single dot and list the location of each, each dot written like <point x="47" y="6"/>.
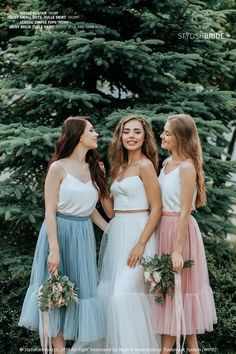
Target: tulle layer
<point x="78" y="261"/>
<point x="198" y="301"/>
<point x="129" y="310"/>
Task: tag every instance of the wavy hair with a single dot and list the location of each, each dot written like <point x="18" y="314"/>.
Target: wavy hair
<point x="189" y="146"/>
<point x="72" y="130"/>
<point x="119" y="155"/>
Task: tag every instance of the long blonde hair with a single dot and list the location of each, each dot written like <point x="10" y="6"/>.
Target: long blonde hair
<point x="189" y="146"/>
<point x="119" y="155"/>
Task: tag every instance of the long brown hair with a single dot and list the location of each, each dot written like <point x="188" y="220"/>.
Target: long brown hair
<point x="72" y="130"/>
<point x="119" y="155"/>
<point x="189" y="146"/>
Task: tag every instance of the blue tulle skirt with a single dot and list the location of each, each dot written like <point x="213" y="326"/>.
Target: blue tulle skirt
<point x="84" y="320"/>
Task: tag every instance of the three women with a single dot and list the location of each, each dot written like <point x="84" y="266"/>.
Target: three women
<point x="131" y="321"/>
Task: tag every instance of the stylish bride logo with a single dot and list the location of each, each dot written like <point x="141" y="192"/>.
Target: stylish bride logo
<point x="201" y="28"/>
<point x="201" y="22"/>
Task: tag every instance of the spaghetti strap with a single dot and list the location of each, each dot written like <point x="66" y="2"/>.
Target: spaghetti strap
<point x="165" y="162"/>
<point x="62" y="166"/>
<point x="138" y="166"/>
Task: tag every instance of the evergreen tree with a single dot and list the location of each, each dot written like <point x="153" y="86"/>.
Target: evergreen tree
<point x="132" y="48"/>
<point x="113" y="58"/>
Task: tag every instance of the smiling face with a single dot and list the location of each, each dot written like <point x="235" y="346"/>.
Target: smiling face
<point x="168" y="139"/>
<point x="133" y="135"/>
<point x="89" y="137"/>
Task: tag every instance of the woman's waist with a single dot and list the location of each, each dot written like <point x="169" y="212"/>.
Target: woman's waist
<point x="132" y="213"/>
<point x="129" y="210"/>
<point x="72" y="216"/>
<point x="76" y="205"/>
<point x="173" y="213"/>
<point x="75" y="210"/>
<point x="128" y="204"/>
<point x="170" y="213"/>
<point x="174" y="206"/>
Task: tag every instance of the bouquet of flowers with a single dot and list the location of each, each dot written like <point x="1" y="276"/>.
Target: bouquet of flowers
<point x="160" y="276"/>
<point x="57" y="291"/>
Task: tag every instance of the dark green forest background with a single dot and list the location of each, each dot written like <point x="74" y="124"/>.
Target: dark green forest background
<point x="114" y="58"/>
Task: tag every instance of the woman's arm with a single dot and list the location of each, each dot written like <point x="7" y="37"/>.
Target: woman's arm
<point x="107" y="203"/>
<point x="152" y="188"/>
<point x="188" y="185"/>
<point x="108" y="206"/>
<point x="99" y="220"/>
<point x="51" y="190"/>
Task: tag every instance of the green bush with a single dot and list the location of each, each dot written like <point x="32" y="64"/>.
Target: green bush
<point x="14" y="279"/>
<point x="222" y="270"/>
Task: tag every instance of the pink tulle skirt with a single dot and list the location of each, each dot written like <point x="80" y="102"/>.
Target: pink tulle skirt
<point x="197" y="297"/>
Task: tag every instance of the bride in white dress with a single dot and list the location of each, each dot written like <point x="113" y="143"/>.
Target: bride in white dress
<point x="135" y="209"/>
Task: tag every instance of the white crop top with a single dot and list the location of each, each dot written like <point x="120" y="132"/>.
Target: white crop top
<point x="129" y="194"/>
<point x="170" y="184"/>
<point x="76" y="197"/>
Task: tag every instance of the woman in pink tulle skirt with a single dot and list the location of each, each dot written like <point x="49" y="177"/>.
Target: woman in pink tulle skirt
<point x="182" y="187"/>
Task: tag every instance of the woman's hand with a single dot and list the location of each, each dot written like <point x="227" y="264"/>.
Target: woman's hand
<point x="136" y="255"/>
<point x="53" y="261"/>
<point x="177" y="261"/>
<point x="99" y="220"/>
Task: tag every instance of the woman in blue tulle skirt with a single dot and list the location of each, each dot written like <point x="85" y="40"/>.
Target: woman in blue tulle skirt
<point x="66" y="242"/>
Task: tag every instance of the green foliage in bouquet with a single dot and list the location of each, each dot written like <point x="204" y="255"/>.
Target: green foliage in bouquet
<point x="159" y="274"/>
<point x="57" y="291"/>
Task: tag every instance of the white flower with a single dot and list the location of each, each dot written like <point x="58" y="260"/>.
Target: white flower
<point x="152" y="287"/>
<point x="153" y="284"/>
<point x="59" y="287"/>
<point x="157" y="277"/>
<point x="147" y="276"/>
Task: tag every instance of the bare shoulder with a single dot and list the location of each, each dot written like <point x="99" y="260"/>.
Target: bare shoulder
<point x="55" y="166"/>
<point x="165" y="161"/>
<point x="147" y="169"/>
<point x="145" y="163"/>
<point x="148" y="175"/>
<point x="56" y="169"/>
<point x="187" y="168"/>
